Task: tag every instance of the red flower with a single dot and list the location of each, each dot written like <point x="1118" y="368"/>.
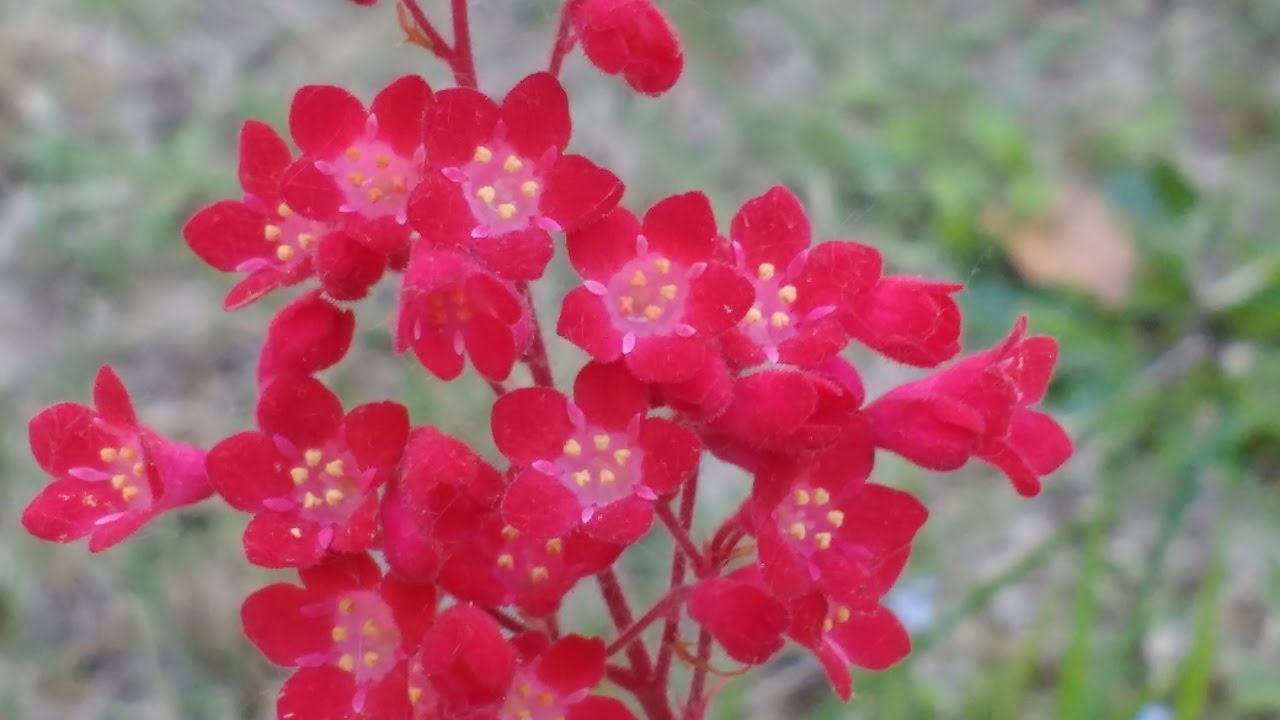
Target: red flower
<point x="653" y="294"/>
<point x="500" y="181"/>
<point x="979" y="407"/>
<point x="359" y="166"/>
<point x="350" y="632"/>
<point x="840" y="636"/>
<point x="449" y="305"/>
<point x="111" y="473"/>
<point x="631" y="38"/>
<point x="555" y="679"/>
<point x="464" y="668"/>
<point x="817" y="521"/>
<point x="306" y="336"/>
<point x="910" y="320"/>
<point x="272" y="241"/>
<point x="741" y="614"/>
<point x="598" y="462"/>
<point x="310" y="476"/>
<point x="798" y="290"/>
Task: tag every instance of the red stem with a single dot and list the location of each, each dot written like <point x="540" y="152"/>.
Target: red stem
<point x="651" y="696"/>
<point x="507" y="621"/>
<point x="536" y="356"/>
<point x="684" y="543"/>
<point x="498" y="389"/>
<point x="565" y="39"/>
<point x="439" y="47"/>
<point x="464" y="62"/>
<point x="668" y="606"/>
<point x="699" y="682"/>
<point x="666" y="650"/>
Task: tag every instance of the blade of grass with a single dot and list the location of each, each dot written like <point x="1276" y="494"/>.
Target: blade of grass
<point x="1074" y="679"/>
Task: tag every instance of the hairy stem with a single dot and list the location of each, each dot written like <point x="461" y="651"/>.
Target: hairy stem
<point x="536" y="356"/>
<point x="666" y="650"/>
<point x="565" y="39"/>
<point x="667" y="607"/>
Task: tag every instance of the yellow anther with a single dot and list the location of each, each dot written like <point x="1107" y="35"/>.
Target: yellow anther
<point x="582" y="478"/>
<point x="836" y="518"/>
<point x="796" y="531"/>
<point x="284" y="253"/>
<point x="572" y="448"/>
<point x="415" y="695"/>
<point x="346" y="605"/>
<point x="334" y="468"/>
<point x="506" y="561"/>
<point x="119" y="481"/>
<point x="382" y="160"/>
<point x="668" y="291"/>
<point x="296" y="532"/>
<point x="766" y="270"/>
<point x="371" y="658"/>
<point x="299" y="475"/>
<point x="546" y="698"/>
<point x="652" y="312"/>
<point x="353" y="154"/>
<point x="601" y="442"/>
<point x="283" y="210"/>
<point x="822" y="540"/>
<point x="398" y="185"/>
<point x="487" y="194"/>
<point x="370" y="628"/>
<point x="129" y="493"/>
<point x="376" y="194"/>
<point x="512" y="164"/>
<point x="333" y="496"/>
<point x="638" y="279"/>
<point x="311" y="500"/>
<point x="827" y="625"/>
<point x="313" y="457"/>
<point x="663" y="265"/>
<point x="529" y="188"/>
<point x="483" y="154"/>
<point x="509" y="533"/>
<point x="139" y="469"/>
<point x="305" y="240"/>
<point x="621" y="456"/>
<point x="506" y="211"/>
<point x="128" y="454"/>
<point x="339" y="633"/>
<point x="607" y="477"/>
<point x="524" y="715"/>
<point x="779" y="319"/>
<point x="271" y="232"/>
<point x="539" y="574"/>
<point x="356" y="178"/>
<point x="787" y="294"/>
<point x="802" y="497"/>
<point x="753" y="316"/>
<point x="108" y="455"/>
<point x="555" y="546"/>
<point x="842" y="614"/>
<point x="626" y="305"/>
<point x="821" y="496"/>
<point x="347" y="662"/>
<point x="525" y="689"/>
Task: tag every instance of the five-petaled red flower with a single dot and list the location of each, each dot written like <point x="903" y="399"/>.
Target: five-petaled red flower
<point x="840" y="635"/>
<point x="111" y="473"/>
<point x="310" y="475"/>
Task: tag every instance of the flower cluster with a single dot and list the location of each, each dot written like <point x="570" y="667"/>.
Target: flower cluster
<point x="705" y="338"/>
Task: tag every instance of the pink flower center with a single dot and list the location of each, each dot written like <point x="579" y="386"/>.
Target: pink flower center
<point x="602" y="467"/>
<point x="809" y="520"/>
<point x="294" y="237"/>
<point x="647" y="297"/>
<point x="366" y="641"/>
<point x="502" y="189"/>
<point x="530" y="699"/>
<point x="325" y="489"/>
<point x="525" y="562"/>
<point x="375" y="180"/>
<point x="125" y="468"/>
<point x="771" y="320"/>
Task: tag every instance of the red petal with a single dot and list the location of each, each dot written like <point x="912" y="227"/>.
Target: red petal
<point x="882" y="519"/>
<point x="226" y="233"/>
<point x="541" y="505"/>
<point x="347" y="268"/>
<point x="301" y="409"/>
<point x="772" y="228"/>
<point x="111" y="399"/>
<point x="491" y="347"/>
<point x="401" y="109"/>
<point x="536" y="112"/>
<point x="433" y="458"/>
<point x="460" y="120"/>
<point x="872" y="640"/>
<point x="406" y="539"/>
<point x="324" y="118"/>
<point x="246" y="469"/>
<point x="909" y="320"/>
<point x="706" y="394"/>
<point x="572" y="663"/>
<point x="68" y="509"/>
<point x="518" y="255"/>
<point x="587" y="555"/>
<point x="321" y="693"/>
<point x="599" y="707"/>
<point x="622" y="522"/>
<point x="1014" y="466"/>
<point x="341" y="573"/>
<point x="310" y="192"/>
<point x="633" y="38"/>
<point x="783" y="571"/>
<point x="470" y="577"/>
<point x="682" y="227"/>
<point x="469" y="662"/>
<point x="65" y="436"/>
<point x="847" y="464"/>
<point x="746" y="620"/>
<point x="815" y="343"/>
<point x="600" y="249"/>
<point x="435" y="350"/>
<point x="577" y="191"/>
<point x="269" y="541"/>
<point x="276" y="622"/>
<point x="585" y="322"/>
<point x="1040" y="440"/>
<point x="108" y="535"/>
<point x="717" y="300"/>
<point x="254" y="287"/>
<point x="667" y="359"/>
<point x="838" y="272"/>
<point x="609" y="395"/>
<point x="308" y="335"/>
<point x="413" y="605"/>
<point x="440" y="213"/>
<point x="376" y="434"/>
<point x="263" y="158"/>
<point x="837" y="672"/>
<point x="531" y="424"/>
<point x="933" y="431"/>
<point x="671" y="454"/>
<point x="769" y="404"/>
<point x="1037" y="356"/>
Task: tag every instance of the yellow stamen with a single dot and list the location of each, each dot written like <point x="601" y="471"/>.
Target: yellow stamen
<point x="305" y="240"/>
<point x="371" y="658"/>
<point x="415" y="695"/>
<point x="129" y="493"/>
<point x="370" y="628"/>
<point x="271" y="232"/>
<point x="779" y="319"/>
<point x="128" y="454"/>
<point x="284" y="253"/>
<point x="356" y="178"/>
<point x="334" y="468"/>
<point x="284" y="210"/>
<point x="607" y="477"/>
<point x="313" y="457"/>
<point x="108" y="455"/>
<point x="296" y="532"/>
<point x="539" y="574"/>
<point x="638" y="279"/>
<point x="582" y="478"/>
<point x="821" y="496"/>
<point x="525" y="690"/>
<point x="668" y="291"/>
<point x="506" y="561"/>
<point x="802" y="497"/>
<point x="546" y="698"/>
<point x="333" y="496"/>
<point x="353" y="154"/>
<point x="663" y="265"/>
<point x="383" y="161"/>
<point x="797" y="531"/>
<point x="119" y="481"/>
<point x="555" y="546"/>
<point x="842" y="614"/>
<point x="601" y="442"/>
<point x="506" y="211"/>
<point x="766" y="271"/>
<point x="573" y="448"/>
<point x="836" y="518"/>
<point x="346" y="605"/>
<point x="529" y="188"/>
<point x="347" y="662"/>
<point x="483" y="154"/>
<point x="621" y="456"/>
<point x="822" y="540"/>
<point x="299" y="475"/>
<point x="311" y="500"/>
<point x="652" y="312"/>
<point x="338" y="634"/>
<point x="753" y="316"/>
<point x="626" y="305"/>
<point x="512" y="164"/>
<point x="139" y="469"/>
<point x="827" y="625"/>
<point x="376" y="194"/>
<point x="509" y="533"/>
<point x="524" y="715"/>
<point x="787" y="294"/>
<point x="487" y="194"/>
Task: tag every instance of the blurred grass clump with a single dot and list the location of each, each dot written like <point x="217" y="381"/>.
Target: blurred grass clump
<point x="1108" y="167"/>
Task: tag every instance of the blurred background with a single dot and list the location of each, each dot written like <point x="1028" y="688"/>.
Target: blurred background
<point x="1109" y="166"/>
